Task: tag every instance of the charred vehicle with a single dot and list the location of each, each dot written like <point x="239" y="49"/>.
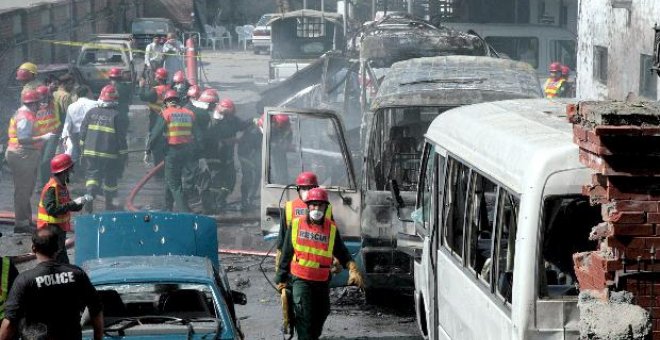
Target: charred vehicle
<point x="298" y="38"/>
<point x="158" y="276"/>
<point x="103" y="53"/>
<point x="411" y="95"/>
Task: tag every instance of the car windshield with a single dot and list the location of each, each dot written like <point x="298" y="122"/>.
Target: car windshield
<point x="98" y="57"/>
<point x="136" y="300"/>
<point x="142" y="27"/>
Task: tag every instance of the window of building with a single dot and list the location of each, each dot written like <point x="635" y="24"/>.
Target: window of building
<point x="647" y="79"/>
<point x="505" y="241"/>
<point x="455" y="201"/>
<point x="600" y="64"/>
<point x="524" y="49"/>
<point x="480" y="221"/>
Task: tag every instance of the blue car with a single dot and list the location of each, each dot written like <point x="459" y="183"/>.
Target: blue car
<point x="158" y="276"/>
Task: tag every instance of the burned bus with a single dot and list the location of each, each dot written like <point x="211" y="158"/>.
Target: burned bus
<point x="411" y="95"/>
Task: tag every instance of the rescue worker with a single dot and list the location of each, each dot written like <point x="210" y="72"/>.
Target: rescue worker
<point x="249" y="154"/>
<point x="23" y="155"/>
<point x="554" y="85"/>
<point x="202" y="117"/>
<point x="56" y="205"/>
<point x="220" y="158"/>
<point x="181" y="85"/>
<point x="48" y="120"/>
<point x="8" y="274"/>
<point x="172" y="55"/>
<point x="26" y="75"/>
<point x="176" y="123"/>
<point x="153" y="58"/>
<point x="50" y="297"/>
<point x="307" y="256"/>
<point x="124" y="88"/>
<point x="103" y="141"/>
<point x="569" y="90"/>
<point x="75" y="114"/>
<point x="154" y="98"/>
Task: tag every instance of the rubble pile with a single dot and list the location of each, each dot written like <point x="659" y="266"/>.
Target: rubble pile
<point x="620" y="142"/>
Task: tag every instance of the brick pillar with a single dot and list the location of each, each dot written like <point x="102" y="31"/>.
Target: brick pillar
<point x="620" y="142"/>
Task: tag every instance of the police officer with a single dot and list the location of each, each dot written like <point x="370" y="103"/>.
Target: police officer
<point x="309" y="247"/>
<point x="554" y="85"/>
<point x="177" y="125"/>
<point x="52" y="296"/>
<point x="23" y="155"/>
<point x="154" y="98"/>
<point x="103" y="138"/>
<point x="8" y="274"/>
<point x="55" y="204"/>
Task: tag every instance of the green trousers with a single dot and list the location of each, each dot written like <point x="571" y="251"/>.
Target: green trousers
<point x="311" y="301"/>
<point x="176" y="157"/>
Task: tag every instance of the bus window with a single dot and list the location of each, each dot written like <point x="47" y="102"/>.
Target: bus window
<point x="564" y="52"/>
<point x="507" y="219"/>
<point x="525" y="49"/>
<point x="480" y="221"/>
<point x="567" y="222"/>
<point x="455" y="197"/>
<point x="426" y="186"/>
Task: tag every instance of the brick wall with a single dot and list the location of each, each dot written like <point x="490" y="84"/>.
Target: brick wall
<point x="620" y="142"/>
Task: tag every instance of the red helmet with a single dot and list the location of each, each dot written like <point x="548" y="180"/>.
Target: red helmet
<point x="565" y="70"/>
<point x="307" y="179"/>
<point x="260" y="121"/>
<point x="30" y="96"/>
<point x="281" y="120"/>
<point x="115" y="72"/>
<point x="24" y="75"/>
<point x="178" y="77"/>
<point x="554" y="67"/>
<point x="208" y="96"/>
<point x="60" y="163"/>
<point x="317" y="195"/>
<point x="161" y="73"/>
<point x="227" y="104"/>
<point x="194" y="92"/>
<point x="170" y="95"/>
<point x="109" y="94"/>
<point x="43" y="90"/>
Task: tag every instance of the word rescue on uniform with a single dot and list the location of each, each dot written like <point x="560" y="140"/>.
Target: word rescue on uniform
<point x="308" y="235"/>
<point x="54" y="279"/>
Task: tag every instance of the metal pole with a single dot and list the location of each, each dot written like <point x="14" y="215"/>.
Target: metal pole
<point x="304" y="4"/>
<point x="322" y="5"/>
<point x="410" y="7"/>
<point x="373" y="9"/>
<point x="346" y="4"/>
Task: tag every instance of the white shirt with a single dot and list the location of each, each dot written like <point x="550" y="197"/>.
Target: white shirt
<point x="153" y="52"/>
<point x="75" y="114"/>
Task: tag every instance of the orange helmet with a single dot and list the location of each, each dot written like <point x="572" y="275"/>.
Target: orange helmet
<point x="109" y="94"/>
<point x="178" y="77"/>
<point x="554" y="67"/>
<point x="227" y="104"/>
<point x="115" y="72"/>
<point x="194" y="92"/>
<point x="60" y="163"/>
<point x="317" y="195"/>
<point x="307" y="179"/>
<point x="161" y="73"/>
<point x="208" y="96"/>
<point x="30" y="96"/>
<point x="171" y="95"/>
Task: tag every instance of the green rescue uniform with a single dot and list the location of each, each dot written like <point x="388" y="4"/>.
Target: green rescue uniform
<point x="8" y="274"/>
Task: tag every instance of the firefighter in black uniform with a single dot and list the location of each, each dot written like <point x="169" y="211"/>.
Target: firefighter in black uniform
<point x="103" y="141"/>
<point x="51" y="297"/>
<point x="8" y="274"/>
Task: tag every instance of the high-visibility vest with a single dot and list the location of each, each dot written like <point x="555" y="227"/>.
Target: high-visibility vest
<point x="62" y="196"/>
<point x="160" y="92"/>
<point x="296" y="208"/>
<point x="552" y="87"/>
<point x="4" y="285"/>
<point x="312" y="249"/>
<point x="179" y="122"/>
<point x="22" y="113"/>
<point x="47" y="120"/>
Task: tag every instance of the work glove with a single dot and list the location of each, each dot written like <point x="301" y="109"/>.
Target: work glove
<point x="280" y="286"/>
<point x="354" y="276"/>
<point x="46" y="136"/>
<point x="83" y="199"/>
<point x="147" y="158"/>
<point x="203" y="165"/>
<point x="278" y="257"/>
<point x="336" y="266"/>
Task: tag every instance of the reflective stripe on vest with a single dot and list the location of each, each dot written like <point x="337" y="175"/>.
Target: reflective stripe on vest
<point x="296" y="208"/>
<point x="47" y="121"/>
<point x="4" y="285"/>
<point x="312" y="249"/>
<point x="61" y="197"/>
<point x="179" y="125"/>
<point x="12" y="131"/>
<point x="552" y="87"/>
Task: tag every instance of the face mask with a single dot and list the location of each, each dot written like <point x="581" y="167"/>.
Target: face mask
<point x="316" y="215"/>
<point x="217" y="115"/>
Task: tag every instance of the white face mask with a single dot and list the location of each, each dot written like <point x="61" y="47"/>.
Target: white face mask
<point x="316" y="215"/>
<point x="217" y="115"/>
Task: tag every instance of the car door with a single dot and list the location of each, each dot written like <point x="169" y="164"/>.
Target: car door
<point x="307" y="140"/>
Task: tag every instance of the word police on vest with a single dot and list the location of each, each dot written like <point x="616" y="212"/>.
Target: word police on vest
<point x="307" y="235"/>
<point x="54" y="279"/>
